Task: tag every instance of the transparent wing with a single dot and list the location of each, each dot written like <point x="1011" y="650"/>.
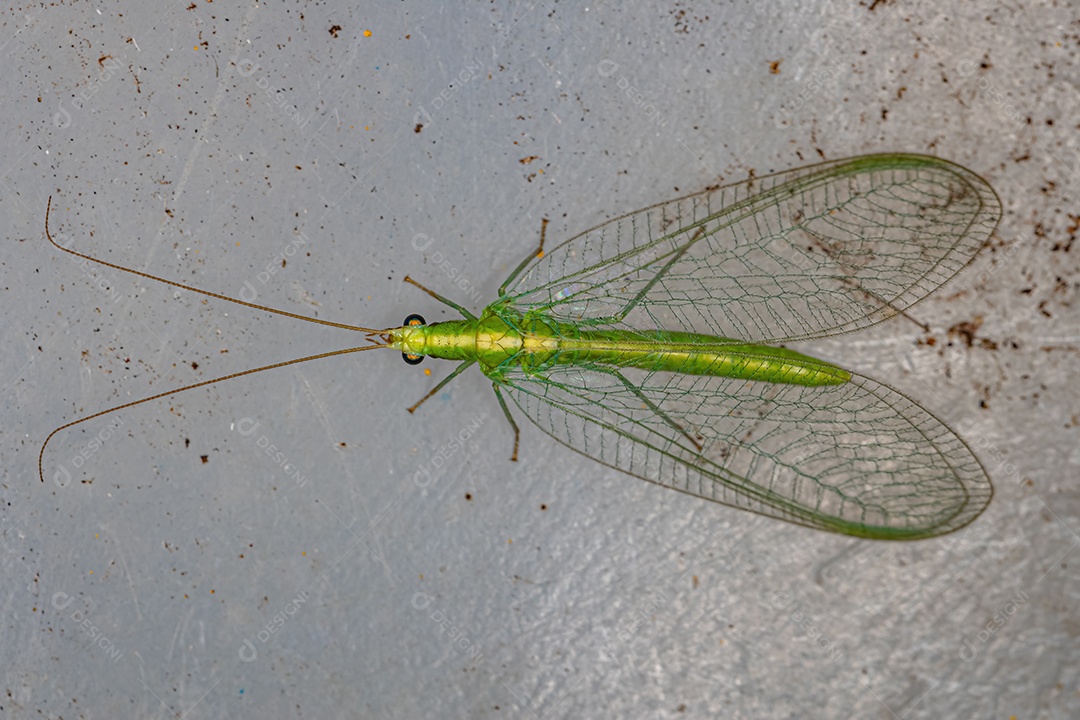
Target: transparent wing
<point x="858" y="459"/>
<point x="806" y="253"/>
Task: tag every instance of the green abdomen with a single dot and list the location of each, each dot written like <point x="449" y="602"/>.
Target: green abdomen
<point x="694" y="354"/>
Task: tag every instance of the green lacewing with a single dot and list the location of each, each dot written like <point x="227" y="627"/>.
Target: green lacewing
<point x="649" y="343"/>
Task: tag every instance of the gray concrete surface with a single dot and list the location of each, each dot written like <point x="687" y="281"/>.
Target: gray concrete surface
<point x="377" y="564"/>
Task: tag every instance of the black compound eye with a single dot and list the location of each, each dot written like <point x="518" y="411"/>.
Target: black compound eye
<point x="413" y="320"/>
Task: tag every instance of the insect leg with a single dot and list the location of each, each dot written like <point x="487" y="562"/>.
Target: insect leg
<point x="465" y="313"/>
<point x="538" y="253"/>
<point x="457" y="371"/>
<point x="621" y="315"/>
<point x="656" y="278"/>
<point x="509" y="419"/>
<point x="636" y="391"/>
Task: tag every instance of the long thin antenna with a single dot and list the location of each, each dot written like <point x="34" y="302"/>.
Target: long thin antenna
<point x="195" y="289"/>
<point x="381" y="334"/>
<point x="204" y="383"/>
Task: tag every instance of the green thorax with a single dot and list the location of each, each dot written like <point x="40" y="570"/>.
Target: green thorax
<point x="533" y="343"/>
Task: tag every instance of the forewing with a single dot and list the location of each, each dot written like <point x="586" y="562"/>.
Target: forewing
<point x="806" y="253"/>
<point x="858" y="459"/>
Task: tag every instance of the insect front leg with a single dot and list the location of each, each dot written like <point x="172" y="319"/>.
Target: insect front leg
<point x="538" y="253"/>
<point x="464" y="313"/>
<point x="460" y="369"/>
<point x="637" y="299"/>
<point x="656" y="278"/>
